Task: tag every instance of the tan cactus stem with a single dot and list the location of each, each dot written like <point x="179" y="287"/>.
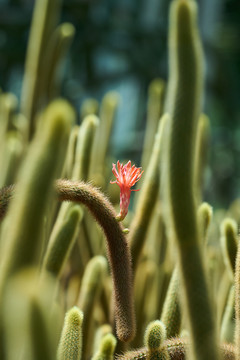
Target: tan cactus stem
<point x="117" y="247"/>
<point x="237" y="304"/>
<point x="6" y="194"/>
<point x="177" y="348"/>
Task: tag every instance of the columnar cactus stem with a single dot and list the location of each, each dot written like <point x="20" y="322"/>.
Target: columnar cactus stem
<point x="43" y="23"/>
<point x="107" y="347"/>
<point x="91" y="286"/>
<point x="229" y="244"/>
<point x="34" y="188"/>
<point x="70" y="345"/>
<point x="60" y="245"/>
<point x="184" y="107"/>
<point x="147" y="196"/>
<point x="171" y="313"/>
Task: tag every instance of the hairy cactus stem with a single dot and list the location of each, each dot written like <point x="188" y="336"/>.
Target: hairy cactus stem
<point x="117" y="247"/>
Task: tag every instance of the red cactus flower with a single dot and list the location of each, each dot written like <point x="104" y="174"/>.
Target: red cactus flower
<point x="126" y="176"/>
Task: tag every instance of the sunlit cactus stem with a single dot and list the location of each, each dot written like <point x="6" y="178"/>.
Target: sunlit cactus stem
<point x="184" y="101"/>
<point x="70" y="345"/>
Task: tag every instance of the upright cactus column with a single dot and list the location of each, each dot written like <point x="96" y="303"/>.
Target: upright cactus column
<point x="184" y="105"/>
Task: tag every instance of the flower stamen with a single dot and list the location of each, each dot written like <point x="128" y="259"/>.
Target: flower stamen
<point x="126" y="177"/>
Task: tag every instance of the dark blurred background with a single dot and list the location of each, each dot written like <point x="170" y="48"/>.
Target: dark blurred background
<point x="121" y="45"/>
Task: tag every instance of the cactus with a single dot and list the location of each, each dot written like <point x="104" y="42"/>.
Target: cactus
<point x="154" y="337"/>
<point x="59" y="247"/>
<point x="145" y="202"/>
<point x="27" y="209"/>
<point x="184" y="107"/>
<point x="229" y="243"/>
<point x="70" y="345"/>
<point x="107" y="347"/>
<point x="171" y="312"/>
<point x="64" y="251"/>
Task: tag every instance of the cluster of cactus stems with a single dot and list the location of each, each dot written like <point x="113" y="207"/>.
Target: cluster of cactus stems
<point x="75" y="281"/>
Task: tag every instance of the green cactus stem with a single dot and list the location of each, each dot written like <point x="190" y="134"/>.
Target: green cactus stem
<point x="92" y="284"/>
<point x="41" y="346"/>
<point x="84" y="145"/>
<point x="146" y="282"/>
<point x="57" y="48"/>
<point x="228" y="321"/>
<point x="89" y="106"/>
<point x="171" y="312"/>
<point x="147" y="197"/>
<point x="154" y="337"/>
<point x="34" y="188"/>
<point x="154" y="111"/>
<point x="60" y="246"/>
<point x="30" y="326"/>
<point x="185" y="99"/>
<point x="229" y="244"/>
<point x="43" y="24"/>
<point x="12" y="158"/>
<point x="8" y="106"/>
<point x="99" y="334"/>
<point x="202" y="146"/>
<point x="204" y="216"/>
<point x="107" y="347"/>
<point x="106" y="115"/>
<point x="70" y="345"/>
<point x="70" y="157"/>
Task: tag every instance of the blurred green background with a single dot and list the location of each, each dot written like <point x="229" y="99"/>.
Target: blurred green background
<point x="121" y="45"/>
